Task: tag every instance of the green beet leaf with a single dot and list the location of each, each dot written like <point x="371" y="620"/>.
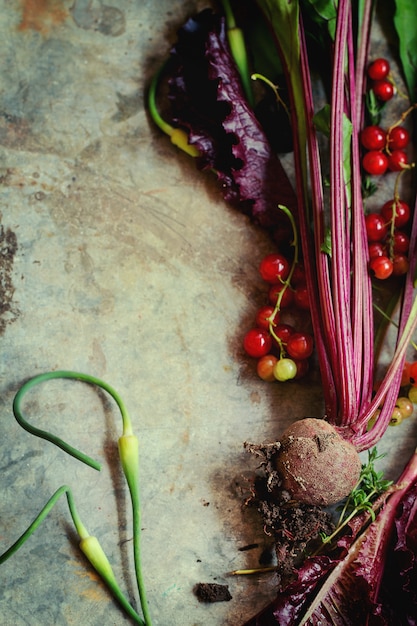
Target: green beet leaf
<point x="406" y="26"/>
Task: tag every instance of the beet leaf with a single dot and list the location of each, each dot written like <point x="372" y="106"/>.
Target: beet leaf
<point x="406" y="27"/>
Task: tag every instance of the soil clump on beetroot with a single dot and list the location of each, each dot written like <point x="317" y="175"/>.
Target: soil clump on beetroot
<point x="291" y="524"/>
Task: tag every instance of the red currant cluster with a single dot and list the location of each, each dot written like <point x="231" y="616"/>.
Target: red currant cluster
<point x="282" y="352"/>
<point x="385" y="150"/>
<point x="382" y="86"/>
<point x="404" y="406"/>
<point x="387" y="243"/>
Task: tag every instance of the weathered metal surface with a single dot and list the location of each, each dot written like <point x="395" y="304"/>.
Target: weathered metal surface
<point x="120" y="260"/>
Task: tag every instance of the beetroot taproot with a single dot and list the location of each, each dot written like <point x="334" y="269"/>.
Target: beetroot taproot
<point x="316" y="465"/>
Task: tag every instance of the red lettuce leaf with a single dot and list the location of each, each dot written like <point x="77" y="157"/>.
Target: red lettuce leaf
<point x="288" y="606"/>
<point x="208" y="101"/>
<point x="399" y="585"/>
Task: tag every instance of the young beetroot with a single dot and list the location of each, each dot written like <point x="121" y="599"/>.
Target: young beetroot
<point x="316" y="465"/>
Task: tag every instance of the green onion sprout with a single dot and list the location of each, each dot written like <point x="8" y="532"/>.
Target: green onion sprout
<point x="129" y="456"/>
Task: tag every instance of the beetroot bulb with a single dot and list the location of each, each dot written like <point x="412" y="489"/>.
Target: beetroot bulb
<point x="315" y="463"/>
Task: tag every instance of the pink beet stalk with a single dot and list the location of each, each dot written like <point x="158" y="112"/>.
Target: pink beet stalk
<point x="339" y="282"/>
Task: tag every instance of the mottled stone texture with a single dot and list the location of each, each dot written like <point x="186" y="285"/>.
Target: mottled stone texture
<point x="123" y="262"/>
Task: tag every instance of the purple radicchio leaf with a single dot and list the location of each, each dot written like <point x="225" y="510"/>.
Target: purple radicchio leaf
<point x="287" y="607"/>
<point x="399" y="585"/>
<point x="335" y="592"/>
<point x="207" y="100"/>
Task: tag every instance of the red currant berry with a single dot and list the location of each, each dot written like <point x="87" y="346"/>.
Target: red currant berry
<point x="286" y="298"/>
<point x="284" y="331"/>
<point x="413" y="373"/>
<point x="405" y="405"/>
<point x="400" y="265"/>
<point x="264" y="315"/>
<point x="274" y="267"/>
<point x="396" y="417"/>
<point x="398" y="138"/>
<point x="378" y="69"/>
<point x="398" y="210"/>
<point x="376" y="249"/>
<point x="301" y="298"/>
<point x="397" y="160"/>
<point x="373" y="138"/>
<point x="257" y="342"/>
<point x="265" y="367"/>
<point x="282" y="233"/>
<point x="381" y="267"/>
<point x="405" y="379"/>
<point x="401" y="242"/>
<point x="383" y="89"/>
<point x="376" y="229"/>
<point x="375" y="163"/>
<point x="285" y="369"/>
<point x="302" y="368"/>
<point x="300" y="346"/>
<point x="299" y="275"/>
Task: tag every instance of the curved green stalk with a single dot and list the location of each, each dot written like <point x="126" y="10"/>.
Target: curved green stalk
<point x="153" y="109"/>
<point x="129" y="456"/>
<point x="177" y="135"/>
<point x="43" y="434"/>
<point x="92" y="549"/>
<point x="95" y="554"/>
<point x="273" y="87"/>
<point x="39" y="519"/>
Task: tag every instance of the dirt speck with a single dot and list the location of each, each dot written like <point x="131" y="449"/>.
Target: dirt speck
<point x="212" y="592"/>
<point x="255" y="397"/>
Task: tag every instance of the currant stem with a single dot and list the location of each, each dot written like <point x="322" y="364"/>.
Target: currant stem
<point x="402" y="118"/>
<point x="256" y="76"/>
<point x="286" y="283"/>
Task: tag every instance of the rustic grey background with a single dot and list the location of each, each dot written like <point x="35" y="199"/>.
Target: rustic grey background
<point x="129" y="266"/>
